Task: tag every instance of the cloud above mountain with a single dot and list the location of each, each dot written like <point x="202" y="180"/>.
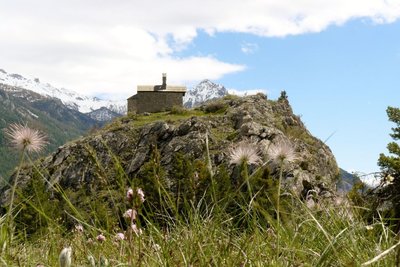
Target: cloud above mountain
<point x="109" y="46"/>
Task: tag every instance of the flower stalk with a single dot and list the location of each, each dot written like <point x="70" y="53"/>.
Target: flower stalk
<point x="280" y="154"/>
<point x="25" y="140"/>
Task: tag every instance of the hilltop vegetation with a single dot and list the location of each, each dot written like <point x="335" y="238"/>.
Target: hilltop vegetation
<point x="120" y="153"/>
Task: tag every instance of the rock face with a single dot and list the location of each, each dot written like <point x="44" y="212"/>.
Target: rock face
<point x="254" y="118"/>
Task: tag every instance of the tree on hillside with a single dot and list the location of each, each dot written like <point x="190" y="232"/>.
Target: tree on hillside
<point x="390" y="165"/>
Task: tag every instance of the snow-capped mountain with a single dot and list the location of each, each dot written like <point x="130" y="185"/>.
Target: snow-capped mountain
<point x="104" y="110"/>
<point x="69" y="98"/>
<point x="103" y="114"/>
<point x="204" y="91"/>
<point x="47" y="114"/>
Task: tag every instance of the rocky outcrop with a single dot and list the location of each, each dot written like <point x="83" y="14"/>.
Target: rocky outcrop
<point x="127" y="144"/>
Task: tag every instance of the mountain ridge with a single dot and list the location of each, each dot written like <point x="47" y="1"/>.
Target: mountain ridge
<point x="50" y="115"/>
<point x="206" y="90"/>
<point x="71" y="99"/>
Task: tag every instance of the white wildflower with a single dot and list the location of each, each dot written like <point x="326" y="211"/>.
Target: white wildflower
<point x="25" y="139"/>
<point x="101" y="238"/>
<point x="129" y="194"/>
<point x="136" y="229"/>
<point x="130" y="214"/>
<point x="91" y="260"/>
<point x="244" y="152"/>
<point x="119" y="236"/>
<point x="140" y="193"/>
<point x="79" y="228"/>
<point x="369" y="227"/>
<point x="104" y="261"/>
<point x="65" y="257"/>
<point x="282" y="152"/>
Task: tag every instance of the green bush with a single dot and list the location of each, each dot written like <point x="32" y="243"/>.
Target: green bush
<point x="216" y="106"/>
<point x="231" y="97"/>
<point x="178" y="110"/>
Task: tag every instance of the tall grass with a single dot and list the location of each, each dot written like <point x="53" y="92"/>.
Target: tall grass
<point x="242" y="225"/>
<point x="322" y="237"/>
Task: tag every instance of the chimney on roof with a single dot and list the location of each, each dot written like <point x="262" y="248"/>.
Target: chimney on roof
<point x="164" y="81"/>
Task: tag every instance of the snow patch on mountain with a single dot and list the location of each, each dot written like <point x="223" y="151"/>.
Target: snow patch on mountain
<point x="208" y="90"/>
<point x="69" y="98"/>
<point x="103" y="114"/>
<point x="204" y="91"/>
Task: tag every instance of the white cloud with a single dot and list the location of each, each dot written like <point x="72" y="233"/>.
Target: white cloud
<point x="102" y="46"/>
<point x="249" y="48"/>
<point x="247" y="92"/>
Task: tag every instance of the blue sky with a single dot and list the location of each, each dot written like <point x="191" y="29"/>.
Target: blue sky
<point x="338" y="60"/>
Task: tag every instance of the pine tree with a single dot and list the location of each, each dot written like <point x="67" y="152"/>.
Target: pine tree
<point x="390" y="164"/>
